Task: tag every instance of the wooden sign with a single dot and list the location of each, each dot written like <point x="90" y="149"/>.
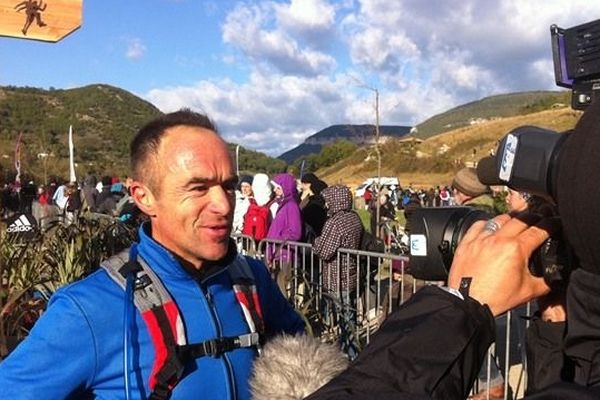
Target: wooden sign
<point x="47" y="20"/>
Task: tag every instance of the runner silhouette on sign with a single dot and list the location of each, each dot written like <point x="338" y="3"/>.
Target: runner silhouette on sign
<point x="33" y="11"/>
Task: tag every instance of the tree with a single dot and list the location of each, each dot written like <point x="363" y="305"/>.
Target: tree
<point x="336" y="151"/>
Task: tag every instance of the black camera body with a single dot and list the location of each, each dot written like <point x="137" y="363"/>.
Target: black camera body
<point x="576" y="56"/>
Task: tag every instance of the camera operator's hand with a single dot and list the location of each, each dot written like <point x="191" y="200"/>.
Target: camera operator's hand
<point x="496" y="257"/>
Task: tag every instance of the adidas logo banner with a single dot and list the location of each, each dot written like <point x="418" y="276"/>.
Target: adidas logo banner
<point x="24" y="225"/>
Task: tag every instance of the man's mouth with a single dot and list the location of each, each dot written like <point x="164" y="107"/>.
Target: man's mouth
<point x="218" y="230"/>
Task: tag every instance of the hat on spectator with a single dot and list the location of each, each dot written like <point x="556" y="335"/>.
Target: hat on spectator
<point x="466" y="182"/>
<point x="309" y="177"/>
<point x="246" y="179"/>
<point x="316" y="185"/>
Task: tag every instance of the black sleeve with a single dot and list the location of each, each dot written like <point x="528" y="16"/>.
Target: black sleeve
<point x="545" y="357"/>
<point x="432" y="347"/>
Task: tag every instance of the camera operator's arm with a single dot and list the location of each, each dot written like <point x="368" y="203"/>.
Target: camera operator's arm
<point x="496" y="260"/>
<point x="431" y="348"/>
<point x="434" y="344"/>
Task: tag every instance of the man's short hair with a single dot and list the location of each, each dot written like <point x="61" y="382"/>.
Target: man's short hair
<point x="146" y="143"/>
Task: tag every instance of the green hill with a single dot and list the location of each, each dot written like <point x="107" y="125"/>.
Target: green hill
<point x="501" y="106"/>
<point x="104" y="120"/>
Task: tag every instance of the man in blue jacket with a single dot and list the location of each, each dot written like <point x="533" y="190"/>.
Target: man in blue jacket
<point x="184" y="182"/>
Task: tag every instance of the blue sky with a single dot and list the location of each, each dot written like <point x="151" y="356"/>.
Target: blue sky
<point x="271" y="73"/>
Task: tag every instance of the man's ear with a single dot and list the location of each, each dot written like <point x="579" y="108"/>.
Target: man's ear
<point x="143" y="197"/>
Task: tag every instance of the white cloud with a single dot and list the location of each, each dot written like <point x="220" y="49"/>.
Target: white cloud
<point x="254" y="30"/>
<point x="271" y="112"/>
<point x="309" y="21"/>
<point x="380" y="50"/>
<point x="307" y="61"/>
<point x="306" y="14"/>
<point x="135" y="49"/>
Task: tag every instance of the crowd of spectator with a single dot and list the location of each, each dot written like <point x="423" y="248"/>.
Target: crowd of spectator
<point x="62" y="200"/>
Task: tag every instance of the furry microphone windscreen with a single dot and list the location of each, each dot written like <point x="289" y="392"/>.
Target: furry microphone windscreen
<point x="293" y="367"/>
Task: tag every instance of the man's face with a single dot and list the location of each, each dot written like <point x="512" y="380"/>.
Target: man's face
<point x="192" y="212"/>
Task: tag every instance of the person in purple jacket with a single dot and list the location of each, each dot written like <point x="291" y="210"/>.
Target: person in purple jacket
<point x="286" y="226"/>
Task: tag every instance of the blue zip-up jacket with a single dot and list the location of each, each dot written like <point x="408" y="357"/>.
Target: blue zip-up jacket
<point x="75" y="350"/>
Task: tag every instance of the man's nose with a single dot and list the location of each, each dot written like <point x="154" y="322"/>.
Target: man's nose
<point x="221" y="201"/>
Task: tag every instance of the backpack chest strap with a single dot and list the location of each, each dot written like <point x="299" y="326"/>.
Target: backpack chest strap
<point x="216" y="347"/>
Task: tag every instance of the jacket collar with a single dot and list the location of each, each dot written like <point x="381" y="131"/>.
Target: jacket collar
<point x="167" y="265"/>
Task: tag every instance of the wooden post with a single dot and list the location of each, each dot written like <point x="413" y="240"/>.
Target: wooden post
<point x="46" y="20"/>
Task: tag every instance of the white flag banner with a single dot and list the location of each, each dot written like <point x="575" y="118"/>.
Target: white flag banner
<point x="237" y="160"/>
<point x="72" y="176"/>
<point x="18" y="158"/>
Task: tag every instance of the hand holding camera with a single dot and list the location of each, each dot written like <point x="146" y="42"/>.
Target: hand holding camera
<point x="497" y="262"/>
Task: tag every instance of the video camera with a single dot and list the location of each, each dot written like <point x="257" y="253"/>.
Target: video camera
<point x="576" y="56"/>
<point x="527" y="160"/>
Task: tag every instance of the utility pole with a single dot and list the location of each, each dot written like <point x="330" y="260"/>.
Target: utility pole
<point x="378" y="153"/>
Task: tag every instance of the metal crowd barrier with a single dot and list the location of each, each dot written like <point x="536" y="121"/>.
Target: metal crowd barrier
<point x="383" y="283"/>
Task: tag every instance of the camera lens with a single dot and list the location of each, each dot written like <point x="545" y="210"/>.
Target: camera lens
<point x="434" y="236"/>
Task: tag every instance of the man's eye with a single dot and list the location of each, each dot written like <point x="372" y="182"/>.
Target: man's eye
<point x="229" y="187"/>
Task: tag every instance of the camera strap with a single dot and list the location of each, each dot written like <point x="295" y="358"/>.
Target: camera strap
<point x="465" y="286"/>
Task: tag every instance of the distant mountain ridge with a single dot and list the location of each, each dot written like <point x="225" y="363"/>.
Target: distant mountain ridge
<point x="359" y="134"/>
<point x="475" y="112"/>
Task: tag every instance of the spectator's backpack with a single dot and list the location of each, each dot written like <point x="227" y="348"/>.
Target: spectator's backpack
<point x="370" y="264"/>
<point x="165" y="326"/>
<point x="73" y="202"/>
<point x="369" y="242"/>
<point x="256" y="221"/>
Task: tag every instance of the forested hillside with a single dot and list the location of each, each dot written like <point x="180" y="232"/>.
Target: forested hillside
<point x="104" y="119"/>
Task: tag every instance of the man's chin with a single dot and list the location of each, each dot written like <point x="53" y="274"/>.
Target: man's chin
<point x="217" y="251"/>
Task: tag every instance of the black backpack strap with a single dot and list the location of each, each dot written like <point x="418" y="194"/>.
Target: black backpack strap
<point x="216" y="347"/>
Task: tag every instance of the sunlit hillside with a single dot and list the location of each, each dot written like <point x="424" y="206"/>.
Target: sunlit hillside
<point x="434" y="161"/>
